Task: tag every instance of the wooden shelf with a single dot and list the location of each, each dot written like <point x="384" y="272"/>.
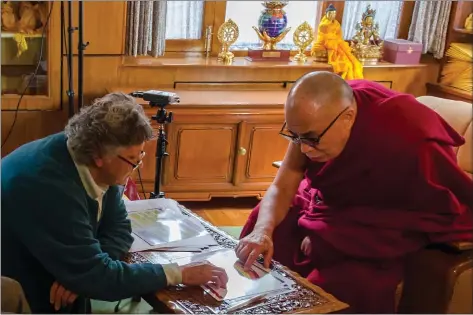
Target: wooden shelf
<point x="11" y="35"/>
<point x="19" y="70"/>
<point x="29" y="102"/>
<point x="241" y="62"/>
<point x="446" y="91"/>
<point x="463" y="30"/>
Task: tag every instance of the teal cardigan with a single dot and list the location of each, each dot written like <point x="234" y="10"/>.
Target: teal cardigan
<point x="50" y="230"/>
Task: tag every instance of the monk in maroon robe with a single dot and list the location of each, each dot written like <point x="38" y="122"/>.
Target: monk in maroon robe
<point x="370" y="176"/>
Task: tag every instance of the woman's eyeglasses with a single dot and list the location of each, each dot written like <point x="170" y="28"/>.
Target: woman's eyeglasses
<point x="134" y="165"/>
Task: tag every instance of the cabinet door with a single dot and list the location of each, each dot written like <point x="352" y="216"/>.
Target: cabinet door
<point x="201" y="157"/>
<point x="259" y="146"/>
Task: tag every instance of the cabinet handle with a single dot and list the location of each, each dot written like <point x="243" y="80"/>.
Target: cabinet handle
<point x="241" y="151"/>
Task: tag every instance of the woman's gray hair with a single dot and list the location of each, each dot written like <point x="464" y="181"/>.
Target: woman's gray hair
<point x="113" y="121"/>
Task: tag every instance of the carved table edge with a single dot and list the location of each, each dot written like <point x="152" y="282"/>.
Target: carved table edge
<point x="333" y="304"/>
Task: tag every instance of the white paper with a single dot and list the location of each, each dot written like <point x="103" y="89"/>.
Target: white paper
<point x="160" y="224"/>
<point x="160" y="203"/>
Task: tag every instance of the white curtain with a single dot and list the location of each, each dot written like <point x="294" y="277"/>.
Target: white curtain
<point x="246" y="14"/>
<point x="429" y="26"/>
<point x="388" y="14"/>
<point x="146" y="28"/>
<point x="184" y="19"/>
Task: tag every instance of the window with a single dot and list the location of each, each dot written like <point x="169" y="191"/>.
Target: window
<point x="246" y="14"/>
<point x="388" y="15"/>
<point x="184" y="19"/>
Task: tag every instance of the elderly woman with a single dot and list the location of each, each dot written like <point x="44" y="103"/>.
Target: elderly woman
<point x="64" y="224"/>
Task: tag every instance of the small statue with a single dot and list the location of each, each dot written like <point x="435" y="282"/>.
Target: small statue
<point x="469" y="22"/>
<point x="329" y="42"/>
<point x="41" y="11"/>
<point x="9" y="21"/>
<point x="28" y="22"/>
<point x="366" y="43"/>
<point x="367" y="31"/>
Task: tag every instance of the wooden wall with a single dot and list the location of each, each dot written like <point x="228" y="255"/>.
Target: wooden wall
<point x="105" y="67"/>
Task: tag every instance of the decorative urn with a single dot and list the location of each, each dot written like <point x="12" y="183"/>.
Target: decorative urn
<point x="272" y="24"/>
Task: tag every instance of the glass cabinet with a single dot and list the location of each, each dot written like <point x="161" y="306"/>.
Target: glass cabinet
<point x="24" y="48"/>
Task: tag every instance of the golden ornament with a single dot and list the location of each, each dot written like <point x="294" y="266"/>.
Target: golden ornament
<point x="227" y="34"/>
<point x="303" y="37"/>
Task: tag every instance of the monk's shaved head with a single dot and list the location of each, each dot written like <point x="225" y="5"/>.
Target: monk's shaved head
<point x="319" y="89"/>
<point x="320" y="109"/>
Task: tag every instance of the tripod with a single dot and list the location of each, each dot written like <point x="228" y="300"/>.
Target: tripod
<point x="162" y="118"/>
<point x="69" y="54"/>
<point x="159" y="99"/>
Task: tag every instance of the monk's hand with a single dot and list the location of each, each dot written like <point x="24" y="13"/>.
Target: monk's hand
<point x="254" y="244"/>
<point x="60" y="296"/>
<point x="306" y="246"/>
<point x="199" y="273"/>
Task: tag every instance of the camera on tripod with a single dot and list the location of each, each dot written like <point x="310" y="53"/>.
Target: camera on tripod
<point x="159" y="99"/>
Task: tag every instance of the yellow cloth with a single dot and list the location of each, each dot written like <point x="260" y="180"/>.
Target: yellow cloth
<point x="21" y="44"/>
<point x="458" y="71"/>
<point x="329" y="37"/>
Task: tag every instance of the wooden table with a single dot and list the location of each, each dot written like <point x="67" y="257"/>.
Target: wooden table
<point x="306" y="298"/>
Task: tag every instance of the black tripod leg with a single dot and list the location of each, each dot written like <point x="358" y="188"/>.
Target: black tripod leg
<point x="160" y="153"/>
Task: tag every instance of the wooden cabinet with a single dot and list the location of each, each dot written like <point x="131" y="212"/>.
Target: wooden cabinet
<point x="259" y="146"/>
<point x="201" y="155"/>
<point x="221" y="143"/>
<point x="28" y="56"/>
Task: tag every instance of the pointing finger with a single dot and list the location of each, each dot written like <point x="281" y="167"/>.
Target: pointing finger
<point x="268" y="256"/>
<point x="251" y="259"/>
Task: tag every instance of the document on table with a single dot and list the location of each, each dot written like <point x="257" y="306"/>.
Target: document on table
<point x="241" y="284"/>
<point x="158" y="224"/>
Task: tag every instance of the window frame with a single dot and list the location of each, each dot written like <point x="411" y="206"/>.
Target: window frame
<point x="194" y="45"/>
<point x="214" y="15"/>
<point x="219" y="19"/>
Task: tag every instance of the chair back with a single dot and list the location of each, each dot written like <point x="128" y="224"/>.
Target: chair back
<point x="460" y="116"/>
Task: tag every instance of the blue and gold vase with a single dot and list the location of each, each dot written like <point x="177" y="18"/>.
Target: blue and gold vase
<point x="272" y="24"/>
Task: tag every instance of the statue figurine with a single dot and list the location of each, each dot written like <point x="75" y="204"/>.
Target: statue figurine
<point x="469" y="22"/>
<point x="366" y="43"/>
<point x="329" y="42"/>
<point x="9" y="20"/>
<point x="27" y="23"/>
<point x="367" y="31"/>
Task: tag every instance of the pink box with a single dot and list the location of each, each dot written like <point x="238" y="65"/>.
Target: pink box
<point x="401" y="51"/>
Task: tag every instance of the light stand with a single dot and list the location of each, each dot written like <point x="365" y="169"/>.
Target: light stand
<point x="80" y="62"/>
<point x="162" y="118"/>
<point x="70" y="66"/>
<point x="159" y="99"/>
<point x="70" y="54"/>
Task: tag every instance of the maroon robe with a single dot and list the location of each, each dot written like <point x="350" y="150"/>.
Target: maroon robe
<point x="395" y="188"/>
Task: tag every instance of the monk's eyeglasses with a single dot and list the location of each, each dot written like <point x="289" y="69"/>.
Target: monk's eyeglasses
<point x="134" y="165"/>
<point x="310" y="141"/>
